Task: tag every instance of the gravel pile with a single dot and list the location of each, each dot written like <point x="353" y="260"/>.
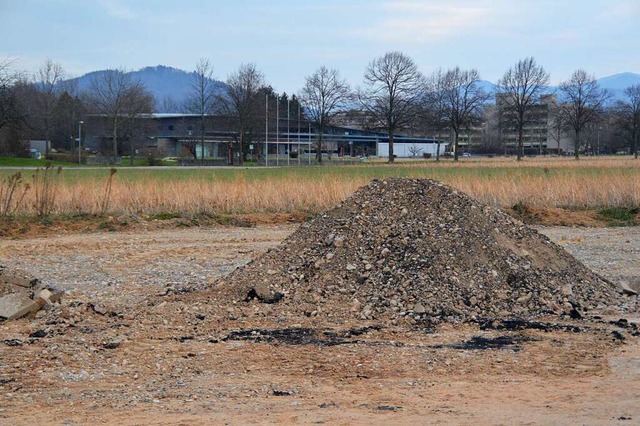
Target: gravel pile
<point x="417" y="248"/>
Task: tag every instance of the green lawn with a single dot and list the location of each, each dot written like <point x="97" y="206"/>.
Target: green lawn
<point x="363" y="171"/>
<point x="30" y="162"/>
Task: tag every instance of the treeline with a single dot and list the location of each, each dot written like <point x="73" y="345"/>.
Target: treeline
<point x="394" y="97"/>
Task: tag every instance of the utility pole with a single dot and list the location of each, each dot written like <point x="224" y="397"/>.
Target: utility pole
<point x="266" y="130"/>
<point x="299" y="133"/>
<point x="277" y="130"/>
<point x="288" y="130"/>
<point x="80" y="123"/>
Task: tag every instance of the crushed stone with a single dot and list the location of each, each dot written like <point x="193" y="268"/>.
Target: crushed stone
<point x="419" y="249"/>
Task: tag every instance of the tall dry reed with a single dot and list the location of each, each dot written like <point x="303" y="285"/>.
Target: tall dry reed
<point x="570" y="184"/>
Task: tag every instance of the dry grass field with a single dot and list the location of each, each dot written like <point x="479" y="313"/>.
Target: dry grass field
<point x="591" y="183"/>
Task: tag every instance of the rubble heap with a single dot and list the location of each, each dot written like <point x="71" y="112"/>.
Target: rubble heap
<point x="21" y="294"/>
<point x="417" y="248"/>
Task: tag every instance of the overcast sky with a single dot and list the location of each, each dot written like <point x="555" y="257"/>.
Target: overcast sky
<point x="288" y="40"/>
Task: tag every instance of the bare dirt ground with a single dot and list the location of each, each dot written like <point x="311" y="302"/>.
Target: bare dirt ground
<point x="137" y="341"/>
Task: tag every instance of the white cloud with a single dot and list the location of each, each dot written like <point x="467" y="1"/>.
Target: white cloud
<point x="117" y="9"/>
<point x="423" y="22"/>
<point x="566" y="36"/>
<point x="623" y="9"/>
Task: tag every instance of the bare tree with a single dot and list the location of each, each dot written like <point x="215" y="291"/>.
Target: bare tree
<point x="139" y="101"/>
<point x="463" y="100"/>
<point x="519" y="90"/>
<point x="393" y="87"/>
<point x="243" y="89"/>
<point x="201" y="99"/>
<point x="10" y="111"/>
<point x="557" y="126"/>
<point x="629" y="114"/>
<point x="415" y="150"/>
<point x="324" y="95"/>
<point x="47" y="80"/>
<point x="435" y="110"/>
<point x="116" y="96"/>
<point x="67" y="112"/>
<point x="585" y="103"/>
<point x="169" y="104"/>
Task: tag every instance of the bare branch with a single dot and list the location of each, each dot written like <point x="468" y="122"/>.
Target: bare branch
<point x="242" y="93"/>
<point x="324" y="95"/>
<point x="115" y="95"/>
<point x="461" y="99"/>
<point x="393" y="87"/>
<point x="519" y="90"/>
<point x="585" y="103"/>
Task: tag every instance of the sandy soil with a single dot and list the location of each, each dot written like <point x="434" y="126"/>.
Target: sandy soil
<point x="137" y="341"/>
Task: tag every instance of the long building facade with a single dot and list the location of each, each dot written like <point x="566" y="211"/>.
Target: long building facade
<point x="182" y="136"/>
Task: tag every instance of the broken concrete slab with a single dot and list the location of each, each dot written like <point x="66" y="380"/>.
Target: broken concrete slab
<point x="626" y="288"/>
<point x="9" y="277"/>
<point x="15" y="305"/>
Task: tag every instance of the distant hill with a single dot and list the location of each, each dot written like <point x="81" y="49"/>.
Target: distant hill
<point x="616" y="84"/>
<point x="170" y="86"/>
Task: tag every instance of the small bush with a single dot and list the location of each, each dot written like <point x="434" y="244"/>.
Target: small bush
<point x="619" y="216"/>
<point x="525" y="213"/>
<point x="62" y="157"/>
<point x="45" y="181"/>
<point x="12" y="192"/>
<point x="164" y="216"/>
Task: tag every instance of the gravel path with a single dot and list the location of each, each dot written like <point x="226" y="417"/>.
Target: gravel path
<point x="102" y="263"/>
<point x="612" y="252"/>
<point x="121" y="350"/>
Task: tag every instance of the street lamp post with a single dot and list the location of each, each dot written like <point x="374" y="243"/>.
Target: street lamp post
<point x="598" y="152"/>
<point x="80" y="123"/>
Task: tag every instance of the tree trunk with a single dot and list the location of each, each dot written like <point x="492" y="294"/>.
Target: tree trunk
<point x="132" y="142"/>
<point x="115" y="140"/>
<point x="319" y="147"/>
<point x="201" y="141"/>
<point x="241" y="149"/>
<point x="391" y="156"/>
<point x="576" y="146"/>
<point x="520" y="145"/>
<point x="455" y="145"/>
<point x="438" y="150"/>
<point x="46" y="137"/>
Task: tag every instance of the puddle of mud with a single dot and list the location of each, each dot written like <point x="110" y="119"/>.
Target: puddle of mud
<point x="300" y="336"/>
<point x="483" y="343"/>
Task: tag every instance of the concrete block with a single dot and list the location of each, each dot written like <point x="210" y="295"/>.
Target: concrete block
<point x="20" y="280"/>
<point x="15" y="305"/>
<point x="43" y="297"/>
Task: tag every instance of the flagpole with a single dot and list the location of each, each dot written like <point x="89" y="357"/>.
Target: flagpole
<point x="266" y="130"/>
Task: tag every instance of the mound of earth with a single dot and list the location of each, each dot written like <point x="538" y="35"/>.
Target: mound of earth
<point x="418" y="248"/>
